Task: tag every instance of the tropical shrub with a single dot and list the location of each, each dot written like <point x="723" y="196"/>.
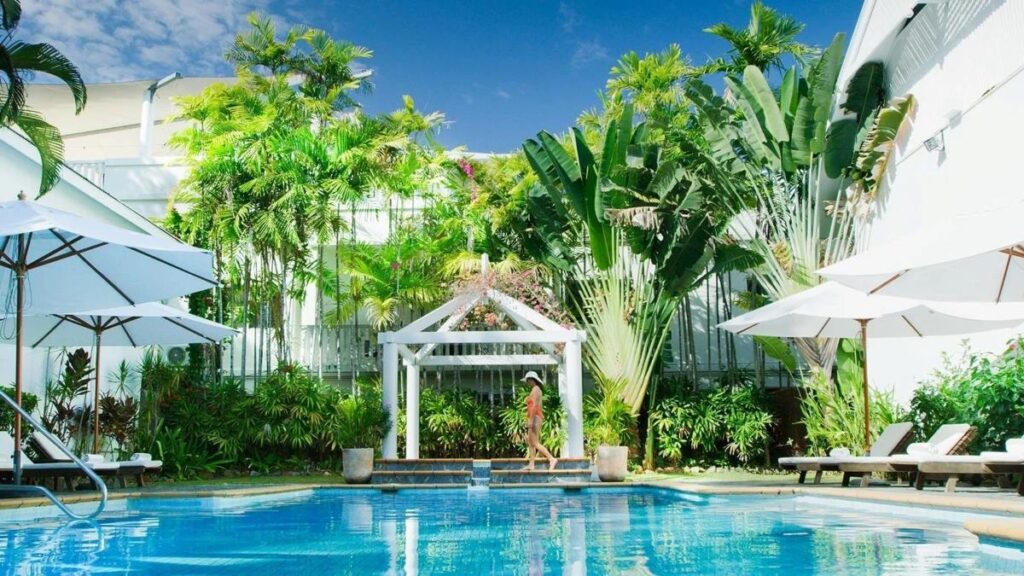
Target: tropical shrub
<point x="982" y="390"/>
<point x="293" y="421"/>
<point x="64" y="414"/>
<point x="721" y="425"/>
<point x="456" y="423"/>
<point x="607" y="419"/>
<point x="29" y="402"/>
<point x="833" y="412"/>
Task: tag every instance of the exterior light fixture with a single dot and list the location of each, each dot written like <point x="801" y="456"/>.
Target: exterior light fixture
<point x="936" y="143"/>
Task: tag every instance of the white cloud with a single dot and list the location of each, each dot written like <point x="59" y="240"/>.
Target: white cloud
<point x="119" y="40"/>
<point x="570" y="19"/>
<point x="502" y="93"/>
<point x="588" y="52"/>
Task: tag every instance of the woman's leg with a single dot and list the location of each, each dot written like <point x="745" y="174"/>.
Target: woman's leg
<point x="540" y="447"/>
<point x="531" y="442"/>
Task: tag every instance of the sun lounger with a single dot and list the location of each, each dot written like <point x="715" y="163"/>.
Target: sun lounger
<point x="136" y="467"/>
<point x="68" y="471"/>
<point x="893" y="439"/>
<point x="952" y="468"/>
<point x="948" y="439"/>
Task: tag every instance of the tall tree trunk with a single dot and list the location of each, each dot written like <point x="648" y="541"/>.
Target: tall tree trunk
<point x="318" y="325"/>
<point x="246" y="284"/>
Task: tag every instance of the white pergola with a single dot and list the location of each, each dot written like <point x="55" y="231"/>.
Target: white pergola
<point x="534" y="328"/>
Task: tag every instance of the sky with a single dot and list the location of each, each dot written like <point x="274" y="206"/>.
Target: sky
<point x="500" y="70"/>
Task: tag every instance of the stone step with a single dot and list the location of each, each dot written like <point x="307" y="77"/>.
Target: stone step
<point x="539" y="476"/>
<point x="459" y="477"/>
<point x="520" y="463"/>
<point x="425" y="464"/>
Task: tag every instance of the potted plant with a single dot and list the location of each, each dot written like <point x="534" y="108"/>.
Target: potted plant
<point x="363" y="423"/>
<point x="610" y="425"/>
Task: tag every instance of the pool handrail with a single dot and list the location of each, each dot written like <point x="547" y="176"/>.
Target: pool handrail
<point x="89" y="472"/>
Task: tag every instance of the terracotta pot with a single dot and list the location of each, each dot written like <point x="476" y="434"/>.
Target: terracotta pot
<point x="357" y="465"/>
<point x="612" y="463"/>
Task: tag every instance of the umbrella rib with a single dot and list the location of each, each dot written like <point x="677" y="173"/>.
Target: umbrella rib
<point x="887" y="282"/>
<point x="747" y="328"/>
<point x="911" y="324"/>
<point x="1002" y="281"/>
<point x="183" y="327"/>
<point x="822" y="329"/>
<point x="56" y="256"/>
<point x="3" y="249"/>
<point x="78" y="321"/>
<point x="57" y="249"/>
<point x="50" y="331"/>
<point x="172" y="265"/>
<point x="78" y="253"/>
<point x="128" y="335"/>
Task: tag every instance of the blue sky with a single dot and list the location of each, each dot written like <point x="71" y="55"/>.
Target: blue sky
<point x="500" y="70"/>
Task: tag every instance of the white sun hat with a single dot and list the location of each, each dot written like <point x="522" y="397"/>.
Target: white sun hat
<point x="534" y="375"/>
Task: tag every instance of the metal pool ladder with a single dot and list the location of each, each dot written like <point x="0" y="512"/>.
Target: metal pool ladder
<point x="19" y="488"/>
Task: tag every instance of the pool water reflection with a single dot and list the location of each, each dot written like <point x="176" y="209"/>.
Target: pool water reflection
<point x="420" y="532"/>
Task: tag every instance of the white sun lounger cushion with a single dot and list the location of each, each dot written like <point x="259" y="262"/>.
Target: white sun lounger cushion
<point x="147" y="460"/>
<point x="921" y="449"/>
<point x="1015" y="446"/>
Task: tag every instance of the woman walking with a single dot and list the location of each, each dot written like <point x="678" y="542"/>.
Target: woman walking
<point x="535" y="420"/>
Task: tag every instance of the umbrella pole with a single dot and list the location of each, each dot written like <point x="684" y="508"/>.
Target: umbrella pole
<point x="20" y="303"/>
<point x="864" y="366"/>
<point x="96" y="399"/>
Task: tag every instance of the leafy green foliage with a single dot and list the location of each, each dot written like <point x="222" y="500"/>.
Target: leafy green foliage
<point x="767" y="37"/>
<point x="608" y="421"/>
<point x="714" y="426"/>
<point x="984" y="391"/>
<point x="29" y="402"/>
<point x="833" y="413"/>
<point x="779" y="350"/>
<point x="63" y="414"/>
<point x="293" y="421"/>
<point x="20" y="61"/>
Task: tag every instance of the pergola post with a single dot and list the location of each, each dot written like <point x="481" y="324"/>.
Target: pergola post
<point x="574" y="398"/>
<point x="390" y="394"/>
<point x="412" y="411"/>
<point x="563" y="383"/>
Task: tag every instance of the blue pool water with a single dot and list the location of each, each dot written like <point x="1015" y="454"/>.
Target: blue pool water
<point x="618" y="531"/>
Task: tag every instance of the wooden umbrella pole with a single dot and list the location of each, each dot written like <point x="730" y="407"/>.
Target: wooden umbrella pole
<point x="96" y="398"/>
<point x="864" y="366"/>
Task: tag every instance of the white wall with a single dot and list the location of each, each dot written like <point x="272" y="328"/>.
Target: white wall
<point x="961" y="60"/>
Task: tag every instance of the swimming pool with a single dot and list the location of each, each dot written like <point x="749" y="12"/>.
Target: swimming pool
<point x="594" y="531"/>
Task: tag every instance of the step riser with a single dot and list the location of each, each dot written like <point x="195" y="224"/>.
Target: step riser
<point x="419" y="479"/>
<point x="424" y="467"/>
<point x="540" y="462"/>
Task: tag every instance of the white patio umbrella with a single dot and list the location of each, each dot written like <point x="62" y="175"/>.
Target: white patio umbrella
<point x="978" y="257"/>
<point x="832" y="310"/>
<point x="52" y="261"/>
<point x="141" y="325"/>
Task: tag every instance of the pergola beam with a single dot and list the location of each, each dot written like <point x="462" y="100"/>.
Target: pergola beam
<point x="491" y="360"/>
<point x="483" y="337"/>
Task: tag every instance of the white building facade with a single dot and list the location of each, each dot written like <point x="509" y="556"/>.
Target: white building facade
<point x="962" y="60"/>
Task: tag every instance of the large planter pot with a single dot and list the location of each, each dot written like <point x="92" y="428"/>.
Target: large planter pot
<point x="612" y="463"/>
<point x="357" y="465"/>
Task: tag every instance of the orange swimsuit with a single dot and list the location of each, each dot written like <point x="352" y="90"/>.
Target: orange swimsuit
<point x="533" y="409"/>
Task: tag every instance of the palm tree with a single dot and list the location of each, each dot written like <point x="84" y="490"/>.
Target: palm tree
<point x="767" y="37"/>
<point x="19" y="61"/>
